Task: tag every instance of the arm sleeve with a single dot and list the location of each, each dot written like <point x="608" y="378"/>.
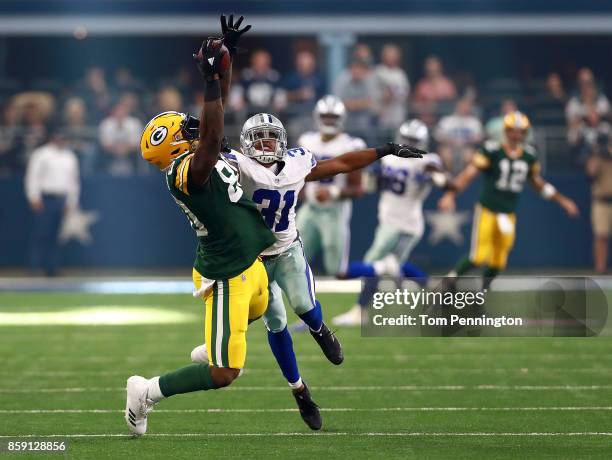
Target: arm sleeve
<point x="312" y="158"/>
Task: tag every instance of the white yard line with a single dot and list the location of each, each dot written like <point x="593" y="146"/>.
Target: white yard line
<point x="407" y="370"/>
<point x="329" y="409"/>
<point x="344" y="388"/>
<point x="265" y="353"/>
<point x="299" y="434"/>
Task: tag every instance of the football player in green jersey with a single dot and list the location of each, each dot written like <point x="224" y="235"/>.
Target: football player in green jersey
<point x="228" y="272"/>
<point x="505" y="169"/>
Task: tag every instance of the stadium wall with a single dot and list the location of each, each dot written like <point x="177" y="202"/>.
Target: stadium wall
<point x="139" y="226"/>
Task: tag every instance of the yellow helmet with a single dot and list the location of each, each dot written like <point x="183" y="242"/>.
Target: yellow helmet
<point x="516" y="120"/>
<point x="167" y="136"/>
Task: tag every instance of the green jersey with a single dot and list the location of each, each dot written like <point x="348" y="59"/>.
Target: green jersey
<point x="503" y="177"/>
<point x="231" y="232"/>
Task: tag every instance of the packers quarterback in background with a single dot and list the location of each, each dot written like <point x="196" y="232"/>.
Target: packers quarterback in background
<point x="505" y="168"/>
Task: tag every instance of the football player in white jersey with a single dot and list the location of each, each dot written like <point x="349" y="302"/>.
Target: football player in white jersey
<point x="404" y="185"/>
<point x="324" y="219"/>
<point x="272" y="176"/>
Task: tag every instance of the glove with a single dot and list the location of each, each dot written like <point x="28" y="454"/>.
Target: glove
<point x="232" y="33"/>
<point x="210" y="58"/>
<point x="400" y="150"/>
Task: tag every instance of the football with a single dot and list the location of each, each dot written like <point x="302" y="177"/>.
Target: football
<point x="225" y="55"/>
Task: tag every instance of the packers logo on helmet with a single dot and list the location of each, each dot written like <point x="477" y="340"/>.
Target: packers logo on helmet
<point x="516" y="120"/>
<point x="167" y="136"/>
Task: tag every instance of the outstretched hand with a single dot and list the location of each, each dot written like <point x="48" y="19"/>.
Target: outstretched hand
<point x="232" y="33"/>
<point x="400" y="150"/>
<point x="210" y="58"/>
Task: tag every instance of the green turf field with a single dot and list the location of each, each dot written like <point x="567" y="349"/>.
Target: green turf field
<point x="392" y="398"/>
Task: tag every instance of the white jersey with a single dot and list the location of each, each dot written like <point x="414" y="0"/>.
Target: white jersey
<point x="340" y="144"/>
<point x="276" y="194"/>
<point x="405" y="185"/>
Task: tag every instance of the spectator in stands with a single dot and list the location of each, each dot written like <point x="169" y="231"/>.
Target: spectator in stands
<point x="395" y="88"/>
<point x="124" y="81"/>
<point x="599" y="169"/>
<point x="34" y="128"/>
<point x="555" y="91"/>
<point x="52" y="187"/>
<point x="304" y="86"/>
<point x="495" y="126"/>
<point x="458" y="134"/>
<point x="169" y="99"/>
<point x="590" y="134"/>
<point x="587" y="98"/>
<point x="359" y="91"/>
<point x="10" y="141"/>
<point x="120" y="139"/>
<point x="96" y="93"/>
<point x="81" y="136"/>
<point x="435" y="86"/>
<point x="300" y="91"/>
<point x="183" y="82"/>
<point x="585" y="77"/>
<point x="197" y="102"/>
<point x="363" y="52"/>
<point x="258" y="85"/>
<point x="549" y="105"/>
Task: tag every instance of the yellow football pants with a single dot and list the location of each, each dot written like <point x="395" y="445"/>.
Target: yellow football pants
<point x="492" y="237"/>
<point x="230" y="305"/>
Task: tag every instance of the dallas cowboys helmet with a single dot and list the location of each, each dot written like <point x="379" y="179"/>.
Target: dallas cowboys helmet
<point x="413" y="132"/>
<point x="332" y="109"/>
<point x="259" y="128"/>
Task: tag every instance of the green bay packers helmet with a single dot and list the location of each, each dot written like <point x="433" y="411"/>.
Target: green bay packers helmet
<point x="167" y="136"/>
<point x="516" y="120"/>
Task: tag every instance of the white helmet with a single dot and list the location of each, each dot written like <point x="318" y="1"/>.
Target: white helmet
<point x="413" y="132"/>
<point x="332" y="107"/>
<point x="258" y="128"/>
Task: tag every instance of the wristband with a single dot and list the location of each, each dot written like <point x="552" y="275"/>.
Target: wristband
<point x="212" y="90"/>
<point x="548" y="191"/>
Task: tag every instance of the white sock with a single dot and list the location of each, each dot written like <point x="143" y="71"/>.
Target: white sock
<point x="153" y="390"/>
<point x="297" y="384"/>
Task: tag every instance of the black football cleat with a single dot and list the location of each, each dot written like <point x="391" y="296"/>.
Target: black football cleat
<point x="329" y="343"/>
<point x="308" y="408"/>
